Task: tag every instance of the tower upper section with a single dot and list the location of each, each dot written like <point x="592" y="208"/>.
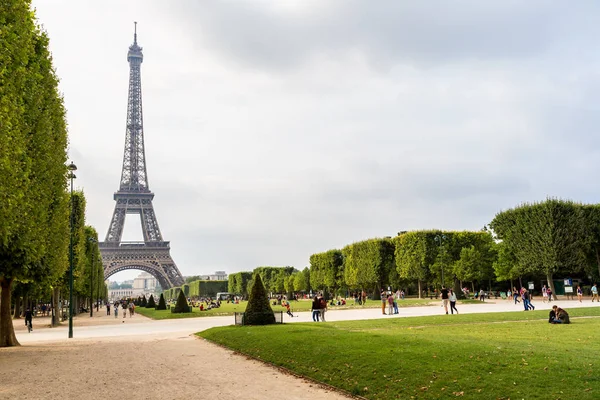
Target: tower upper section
<point x="133" y="175"/>
<point x="135" y="52"/>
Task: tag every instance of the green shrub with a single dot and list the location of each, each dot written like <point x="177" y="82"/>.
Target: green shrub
<point x="151" y="303"/>
<point x="182" y="304"/>
<point x="144" y="302"/>
<point x="258" y="310"/>
<point x="205" y="288"/>
<point x="161" y="303"/>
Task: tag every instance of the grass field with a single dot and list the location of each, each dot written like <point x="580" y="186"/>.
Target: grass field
<point x="302" y="305"/>
<point x="476" y="356"/>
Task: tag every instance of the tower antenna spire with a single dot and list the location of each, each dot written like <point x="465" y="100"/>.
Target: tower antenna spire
<point x="134" y="32"/>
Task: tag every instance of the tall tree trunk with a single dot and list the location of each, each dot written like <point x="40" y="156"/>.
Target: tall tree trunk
<point x="7" y="331"/>
<point x="598" y="259"/>
<point x="25" y="305"/>
<point x="520" y="283"/>
<point x="420" y="292"/>
<point x="17" y="311"/>
<point x="473" y="286"/>
<point x="55" y="311"/>
<point x="551" y="284"/>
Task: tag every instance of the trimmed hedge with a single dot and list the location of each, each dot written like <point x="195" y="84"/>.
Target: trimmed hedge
<point x="151" y="303"/>
<point x="182" y="304"/>
<point x="258" y="310"/>
<point x="161" y="303"/>
<point x="206" y="288"/>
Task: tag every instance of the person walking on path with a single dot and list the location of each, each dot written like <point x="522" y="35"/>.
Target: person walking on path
<point x="595" y="293"/>
<point x="549" y="292"/>
<point x="124" y="306"/>
<point x="445" y="297"/>
<point x="516" y="295"/>
<point x="383" y="301"/>
<point x="390" y="301"/>
<point x="579" y="293"/>
<point x="544" y="294"/>
<point x="452" y="298"/>
<point x="322" y="308"/>
<point x="108" y="309"/>
<point x="316" y="305"/>
<point x="116" y="310"/>
<point x="526" y="302"/>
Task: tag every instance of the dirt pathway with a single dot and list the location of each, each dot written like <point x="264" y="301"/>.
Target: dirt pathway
<point x="150" y="367"/>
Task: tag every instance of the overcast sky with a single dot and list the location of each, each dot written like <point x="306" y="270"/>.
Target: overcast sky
<point x="278" y="129"/>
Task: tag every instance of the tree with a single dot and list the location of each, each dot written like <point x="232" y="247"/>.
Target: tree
<point x="545" y="237"/>
<point x="144" y="301"/>
<point x="327" y="270"/>
<point x="182" y="305"/>
<point x="302" y="281"/>
<point x="152" y="304"/>
<point x="32" y="167"/>
<point x="367" y="263"/>
<point x="414" y="253"/>
<point x="258" y="309"/>
<point x="161" y="303"/>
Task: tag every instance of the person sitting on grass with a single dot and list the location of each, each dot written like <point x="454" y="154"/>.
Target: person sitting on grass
<point x="562" y="316"/>
<point x="552" y="316"/>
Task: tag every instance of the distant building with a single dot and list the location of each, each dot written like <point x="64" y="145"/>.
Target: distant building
<point x="217" y="276"/>
<point x="144" y="285"/>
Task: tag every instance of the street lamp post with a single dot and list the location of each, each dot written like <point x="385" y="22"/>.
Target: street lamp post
<point x="71" y="167"/>
<point x="92" y="240"/>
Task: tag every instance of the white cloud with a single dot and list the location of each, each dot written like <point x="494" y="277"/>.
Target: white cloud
<point x="273" y="133"/>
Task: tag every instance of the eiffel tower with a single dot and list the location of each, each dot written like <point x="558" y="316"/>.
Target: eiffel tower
<point x="134" y="197"/>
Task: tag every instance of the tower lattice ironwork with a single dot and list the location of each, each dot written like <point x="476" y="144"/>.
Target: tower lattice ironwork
<point x="134" y="197"/>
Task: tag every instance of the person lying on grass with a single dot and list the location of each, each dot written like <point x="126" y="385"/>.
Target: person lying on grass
<point x="561" y="316"/>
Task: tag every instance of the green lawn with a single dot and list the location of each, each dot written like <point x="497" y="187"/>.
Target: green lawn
<point x="301" y="305"/>
<point x="477" y="356"/>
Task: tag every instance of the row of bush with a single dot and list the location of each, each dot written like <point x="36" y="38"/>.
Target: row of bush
<point x="197" y="289"/>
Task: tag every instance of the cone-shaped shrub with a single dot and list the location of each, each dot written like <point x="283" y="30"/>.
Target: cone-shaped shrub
<point x="144" y="303"/>
<point x="161" y="303"/>
<point x="182" y="304"/>
<point x="258" y="310"/>
<point x="151" y="303"/>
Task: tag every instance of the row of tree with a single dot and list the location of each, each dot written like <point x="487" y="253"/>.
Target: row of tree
<point x="35" y="206"/>
<point x="534" y="241"/>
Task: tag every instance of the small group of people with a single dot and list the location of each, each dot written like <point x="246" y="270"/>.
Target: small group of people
<point x="387" y="298"/>
<point x="319" y="307"/>
<point x="546" y="294"/>
<point x="448" y="296"/>
<point x="558" y="316"/>
<point x="522" y="294"/>
<point x="125" y="306"/>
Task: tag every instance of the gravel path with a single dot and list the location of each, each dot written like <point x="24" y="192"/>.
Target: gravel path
<point x="144" y="359"/>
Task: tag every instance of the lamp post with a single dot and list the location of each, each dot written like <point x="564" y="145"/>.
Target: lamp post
<point x="71" y="167"/>
<point x="92" y="240"/>
<point x="439" y="239"/>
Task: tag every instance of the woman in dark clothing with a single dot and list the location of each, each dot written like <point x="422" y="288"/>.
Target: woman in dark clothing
<point x="316" y="309"/>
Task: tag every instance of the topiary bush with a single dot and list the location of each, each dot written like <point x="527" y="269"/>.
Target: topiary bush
<point x="151" y="303"/>
<point x="161" y="303"/>
<point x="258" y="310"/>
<point x="144" y="302"/>
<point x="182" y="305"/>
